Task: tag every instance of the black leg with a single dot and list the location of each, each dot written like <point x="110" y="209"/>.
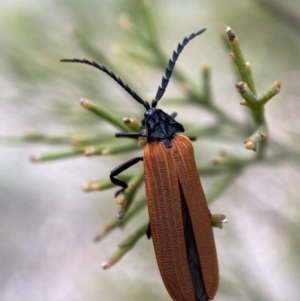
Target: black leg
<point x="148" y="233"/>
<point x="120" y="169"/>
<point x="130" y="135"/>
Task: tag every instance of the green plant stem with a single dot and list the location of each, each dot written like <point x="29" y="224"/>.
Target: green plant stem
<point x="247" y="89"/>
<point x="128" y="243"/>
<point x="104" y="113"/>
<point x="138" y="206"/>
<point x="273" y="90"/>
<point x="133" y="123"/>
<point x="102" y="184"/>
<point x="246" y="93"/>
<point x="149" y="20"/>
<point x="126" y="198"/>
<point x="111" y="148"/>
<point x="132" y="239"/>
<point x="239" y="60"/>
<point x="221" y="186"/>
<point x="61" y="154"/>
<point x="206" y="83"/>
<point x="30" y="136"/>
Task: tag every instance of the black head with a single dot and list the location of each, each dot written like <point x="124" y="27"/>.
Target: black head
<point x="160" y="126"/>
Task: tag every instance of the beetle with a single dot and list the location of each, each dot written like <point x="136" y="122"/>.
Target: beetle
<point x="180" y="221"/>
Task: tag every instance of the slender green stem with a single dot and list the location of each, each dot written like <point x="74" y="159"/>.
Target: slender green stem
<point x="149" y="20"/>
<point x="102" y="184"/>
<point x="104" y="113"/>
<point x="30" y="136"/>
<point x="273" y="90"/>
<point x="133" y="123"/>
<point x="112" y="148"/>
<point x="221" y="186"/>
<point x="247" y="89"/>
<point x="60" y="154"/>
<point x="128" y="243"/>
<point x="126" y="198"/>
<point x="132" y="239"/>
<point x="206" y="85"/>
<point x="136" y="208"/>
<point x="239" y="60"/>
<point x="250" y="77"/>
<point x="245" y="92"/>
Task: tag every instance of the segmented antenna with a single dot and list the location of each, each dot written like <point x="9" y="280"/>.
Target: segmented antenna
<point x="165" y="79"/>
<point x="112" y="75"/>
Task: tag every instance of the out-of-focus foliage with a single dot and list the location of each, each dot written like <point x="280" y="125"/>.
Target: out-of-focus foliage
<point x="47" y="223"/>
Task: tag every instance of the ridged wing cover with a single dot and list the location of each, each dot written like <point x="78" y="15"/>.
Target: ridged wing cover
<point x="165" y="168"/>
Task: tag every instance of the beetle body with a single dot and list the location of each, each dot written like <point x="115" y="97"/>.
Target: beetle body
<point x="180" y="223"/>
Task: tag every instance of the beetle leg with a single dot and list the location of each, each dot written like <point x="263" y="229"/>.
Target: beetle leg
<point x="130" y="135"/>
<point x="116" y="171"/>
<point x="148" y="233"/>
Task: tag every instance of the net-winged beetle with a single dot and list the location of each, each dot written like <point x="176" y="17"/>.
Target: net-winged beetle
<point x="180" y="222"/>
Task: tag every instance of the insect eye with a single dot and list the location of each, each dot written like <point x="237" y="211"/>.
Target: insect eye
<point x="146" y="114"/>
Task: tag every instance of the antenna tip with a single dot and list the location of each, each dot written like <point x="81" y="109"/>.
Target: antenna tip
<point x="201" y="31"/>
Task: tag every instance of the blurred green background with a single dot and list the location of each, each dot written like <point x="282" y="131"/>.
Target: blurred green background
<point x="48" y="223"/>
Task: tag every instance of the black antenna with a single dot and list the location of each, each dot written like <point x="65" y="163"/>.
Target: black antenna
<point x="165" y="80"/>
<point x="112" y="75"/>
